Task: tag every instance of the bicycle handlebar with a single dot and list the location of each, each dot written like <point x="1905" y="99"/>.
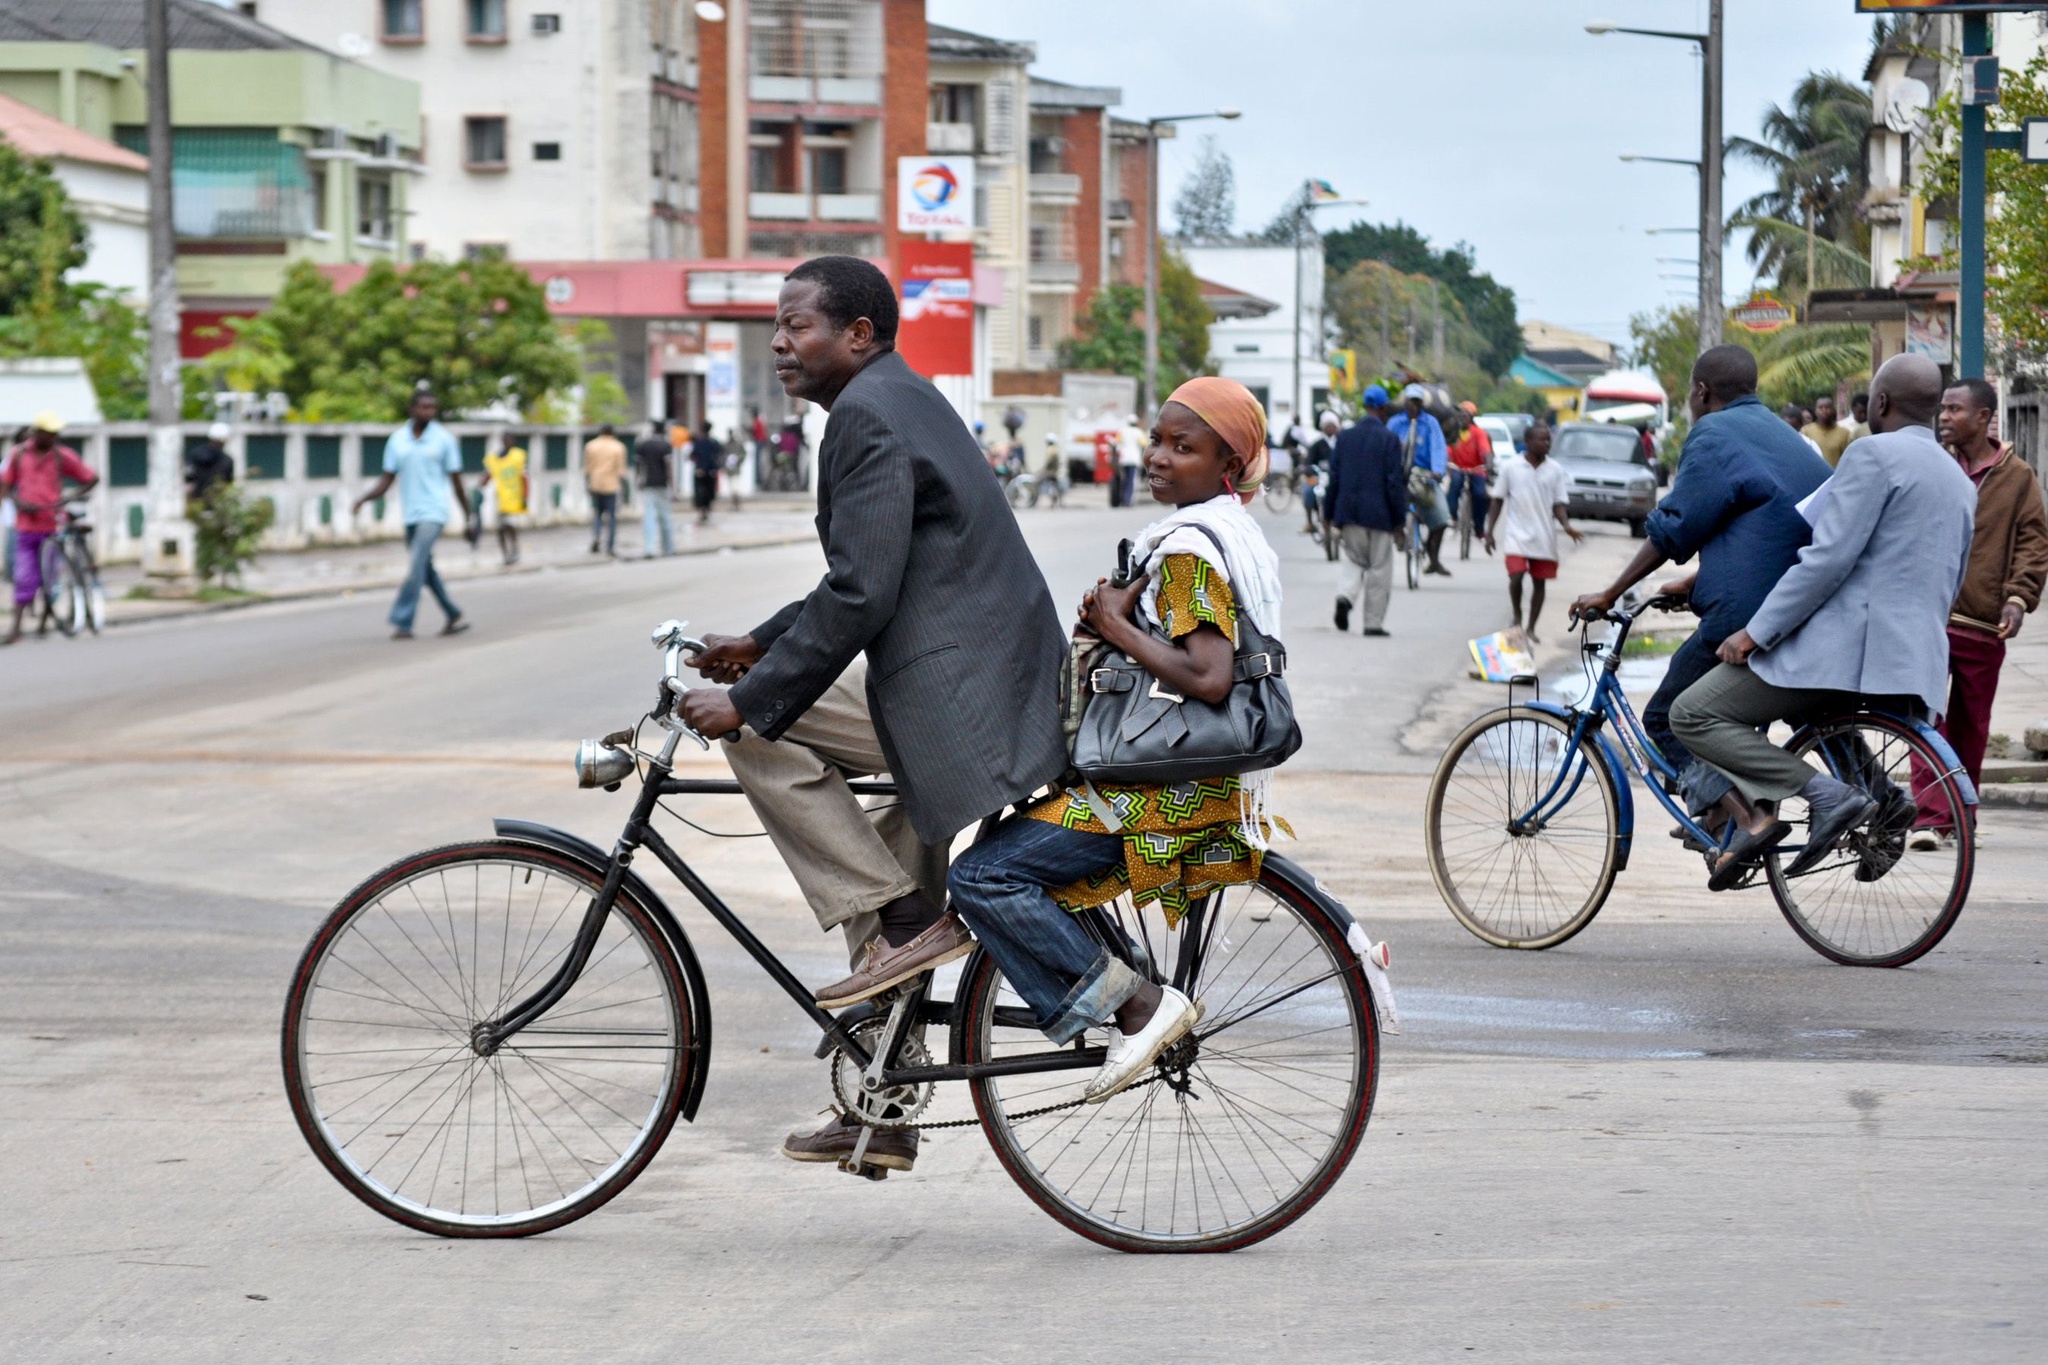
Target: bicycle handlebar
<point x="670" y="638"/>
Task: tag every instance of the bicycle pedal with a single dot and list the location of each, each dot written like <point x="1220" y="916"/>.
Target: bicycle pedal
<point x="872" y="1172"/>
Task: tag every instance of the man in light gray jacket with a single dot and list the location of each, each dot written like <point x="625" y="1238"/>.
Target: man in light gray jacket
<point x="1862" y="615"/>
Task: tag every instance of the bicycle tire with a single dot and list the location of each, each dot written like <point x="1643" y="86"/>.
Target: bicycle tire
<point x="1464" y="865"/>
<point x="92" y="598"/>
<point x="1465" y="523"/>
<point x="406" y="1004"/>
<point x="1344" y="1070"/>
<point x="1279" y="494"/>
<point x="1414" y="553"/>
<point x="59" y="594"/>
<point x="1839" y="908"/>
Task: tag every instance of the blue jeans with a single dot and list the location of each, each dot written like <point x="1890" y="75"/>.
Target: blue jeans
<point x="420" y="538"/>
<point x="1000" y="888"/>
<point x="1460" y="481"/>
<point x="654" y="522"/>
<point x="604" y="521"/>
<point x="1701" y="784"/>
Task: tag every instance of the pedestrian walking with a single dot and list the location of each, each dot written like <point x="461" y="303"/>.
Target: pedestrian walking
<point x="1794" y="417"/>
<point x="33" y="476"/>
<point x="707" y="461"/>
<point x="652" y="458"/>
<point x="604" y="470"/>
<point x="1422" y="442"/>
<point x="1824" y="431"/>
<point x="208" y="464"/>
<point x="505" y="476"/>
<point x="1529" y="498"/>
<point x="1367" y="501"/>
<point x="1859" y="416"/>
<point x="1130" y="459"/>
<point x="2001" y="583"/>
<point x="421" y="457"/>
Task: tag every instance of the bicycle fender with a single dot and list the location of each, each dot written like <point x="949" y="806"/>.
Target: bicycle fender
<point x="1933" y="738"/>
<point x="597" y="860"/>
<point x="1624" y="795"/>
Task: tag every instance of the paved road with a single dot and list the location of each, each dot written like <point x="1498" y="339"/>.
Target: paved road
<point x="1681" y="1137"/>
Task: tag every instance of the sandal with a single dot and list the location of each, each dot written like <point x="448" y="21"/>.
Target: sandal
<point x="1745" y="849"/>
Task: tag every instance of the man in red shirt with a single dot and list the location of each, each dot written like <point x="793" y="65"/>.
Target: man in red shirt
<point x="34" y="476"/>
<point x="1470" y="455"/>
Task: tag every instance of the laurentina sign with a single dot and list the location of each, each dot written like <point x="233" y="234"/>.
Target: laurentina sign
<point x="934" y="193"/>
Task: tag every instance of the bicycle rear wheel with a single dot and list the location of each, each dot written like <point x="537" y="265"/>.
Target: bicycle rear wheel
<point x="1514" y="881"/>
<point x="410" y="1117"/>
<point x="63" y="604"/>
<point x="1412" y="536"/>
<point x="1871" y="902"/>
<point x="1243" y="1125"/>
<point x="1279" y="494"/>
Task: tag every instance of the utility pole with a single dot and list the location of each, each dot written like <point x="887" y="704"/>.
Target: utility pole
<point x="1969" y="352"/>
<point x="167" y="537"/>
<point x="1148" y="383"/>
<point x="1436" y="309"/>
<point x="1710" y="304"/>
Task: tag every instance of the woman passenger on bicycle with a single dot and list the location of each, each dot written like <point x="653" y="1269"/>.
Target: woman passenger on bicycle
<point x="1018" y="888"/>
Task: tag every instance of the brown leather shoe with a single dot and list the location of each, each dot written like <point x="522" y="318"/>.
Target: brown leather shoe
<point x="891" y="1150"/>
<point x="884" y="966"/>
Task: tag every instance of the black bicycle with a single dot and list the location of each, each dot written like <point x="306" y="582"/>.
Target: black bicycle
<point x="492" y="1039"/>
<point x="71" y="597"/>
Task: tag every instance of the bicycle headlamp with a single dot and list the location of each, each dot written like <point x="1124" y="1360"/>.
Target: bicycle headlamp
<point x="598" y="764"/>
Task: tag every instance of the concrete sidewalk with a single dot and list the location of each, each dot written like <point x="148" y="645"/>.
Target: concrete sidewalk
<point x="774" y="519"/>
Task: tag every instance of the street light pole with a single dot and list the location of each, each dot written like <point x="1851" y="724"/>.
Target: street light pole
<point x="1149" y="381"/>
<point x="1304" y="225"/>
<point x="1709" y="44"/>
<point x="167" y="536"/>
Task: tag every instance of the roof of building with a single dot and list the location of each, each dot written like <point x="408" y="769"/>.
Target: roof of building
<point x="1226" y="302"/>
<point x="120" y="24"/>
<point x="1059" y="95"/>
<point x="35" y="133"/>
<point x="1538" y="375"/>
<point x="958" y="45"/>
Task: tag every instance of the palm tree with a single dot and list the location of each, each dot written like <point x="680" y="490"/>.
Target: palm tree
<point x="1813" y="150"/>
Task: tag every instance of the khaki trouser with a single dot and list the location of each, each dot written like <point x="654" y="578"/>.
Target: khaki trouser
<point x="1365" y="573"/>
<point x="848" y="860"/>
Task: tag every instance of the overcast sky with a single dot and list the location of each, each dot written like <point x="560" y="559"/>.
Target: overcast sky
<point x="1497" y="122"/>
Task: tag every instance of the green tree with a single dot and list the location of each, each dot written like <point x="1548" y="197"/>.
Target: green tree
<point x="1794" y="365"/>
<point x="1388" y="316"/>
<point x="477" y="331"/>
<point x="1110" y="334"/>
<point x="1488" y="305"/>
<point x="228" y="527"/>
<point x="1813" y="152"/>
<point x="42" y="238"/>
<point x="2016" y="228"/>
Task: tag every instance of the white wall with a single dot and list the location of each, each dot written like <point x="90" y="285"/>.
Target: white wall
<point x="115" y="206"/>
<point x="587" y="88"/>
<point x="1259" y="352"/>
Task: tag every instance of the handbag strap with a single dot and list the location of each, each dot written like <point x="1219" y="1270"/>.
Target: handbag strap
<point x="1254" y="656"/>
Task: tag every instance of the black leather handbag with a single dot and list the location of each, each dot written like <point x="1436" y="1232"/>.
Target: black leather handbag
<point x="1131" y="729"/>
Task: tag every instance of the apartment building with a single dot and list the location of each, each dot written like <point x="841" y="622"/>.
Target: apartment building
<point x="979" y="98"/>
<point x="282" y="151"/>
<point x="552" y="129"/>
<point x="1070" y="171"/>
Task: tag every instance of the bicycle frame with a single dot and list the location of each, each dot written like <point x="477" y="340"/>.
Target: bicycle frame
<point x="491" y="1034"/>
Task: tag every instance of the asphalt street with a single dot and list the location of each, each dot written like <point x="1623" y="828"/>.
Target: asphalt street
<point x="1681" y="1136"/>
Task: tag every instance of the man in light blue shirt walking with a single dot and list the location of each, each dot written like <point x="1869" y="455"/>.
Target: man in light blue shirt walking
<point x="424" y="461"/>
<point x="1424" y="452"/>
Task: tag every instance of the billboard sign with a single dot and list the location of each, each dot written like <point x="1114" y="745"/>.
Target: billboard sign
<point x="934" y="193"/>
<point x="1762" y="314"/>
<point x="1948" y="6"/>
<point x="936" y="333"/>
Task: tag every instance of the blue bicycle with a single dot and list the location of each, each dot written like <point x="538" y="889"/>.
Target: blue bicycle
<point x="1530" y="816"/>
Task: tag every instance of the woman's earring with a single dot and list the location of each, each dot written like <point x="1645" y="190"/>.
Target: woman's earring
<point x="1229" y="487"/>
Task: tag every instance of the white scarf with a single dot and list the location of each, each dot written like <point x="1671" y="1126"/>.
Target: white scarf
<point x="1252" y="569"/>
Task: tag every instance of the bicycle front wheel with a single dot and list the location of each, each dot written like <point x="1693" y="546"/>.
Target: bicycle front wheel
<point x="1243" y="1125"/>
<point x="1872" y="902"/>
<point x="1414" y="548"/>
<point x="410" y="1116"/>
<point x="1523" y="829"/>
<point x="63" y="604"/>
<point x="1279" y="495"/>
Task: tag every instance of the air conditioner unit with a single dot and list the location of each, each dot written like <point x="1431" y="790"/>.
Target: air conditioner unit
<point x="334" y="139"/>
<point x="387" y="146"/>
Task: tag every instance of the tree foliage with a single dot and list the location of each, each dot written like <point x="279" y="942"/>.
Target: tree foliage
<point x="1488" y="306"/>
<point x="2016" y="228"/>
<point x="1110" y="334"/>
<point x="1795" y="365"/>
<point x="477" y="331"/>
<point x="42" y="238"/>
<point x="228" y="526"/>
<point x="1206" y="207"/>
<point x="1813" y="152"/>
<point x="1373" y="300"/>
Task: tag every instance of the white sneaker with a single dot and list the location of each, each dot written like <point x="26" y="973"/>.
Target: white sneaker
<point x="1129" y="1057"/>
<point x="1924" y="840"/>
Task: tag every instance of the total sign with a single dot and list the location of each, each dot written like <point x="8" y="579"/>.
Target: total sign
<point x="934" y="193"/>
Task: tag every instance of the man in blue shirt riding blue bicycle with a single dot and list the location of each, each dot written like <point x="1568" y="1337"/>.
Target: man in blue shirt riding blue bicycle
<point x="1735" y="504"/>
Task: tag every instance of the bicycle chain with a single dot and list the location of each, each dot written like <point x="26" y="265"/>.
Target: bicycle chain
<point x="1027" y="1114"/>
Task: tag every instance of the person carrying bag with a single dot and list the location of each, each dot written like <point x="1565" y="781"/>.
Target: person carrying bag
<point x="1179" y="712"/>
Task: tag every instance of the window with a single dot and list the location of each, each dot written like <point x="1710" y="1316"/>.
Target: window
<point x="547" y="151"/>
<point x="373" y="206"/>
<point x="128" y="462"/>
<point x="316" y="174"/>
<point x="487" y="21"/>
<point x="954" y="103"/>
<point x="828" y="170"/>
<point x="544" y="24"/>
<point x="263" y="456"/>
<point x="403" y="22"/>
<point x="323" y="457"/>
<point x="484" y="147"/>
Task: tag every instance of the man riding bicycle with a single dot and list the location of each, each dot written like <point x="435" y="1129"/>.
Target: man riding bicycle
<point x="930" y="650"/>
<point x="1471" y="461"/>
<point x="34" y="474"/>
<point x="1422" y="445"/>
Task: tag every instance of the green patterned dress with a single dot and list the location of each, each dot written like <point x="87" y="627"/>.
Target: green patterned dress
<point x="1182" y="840"/>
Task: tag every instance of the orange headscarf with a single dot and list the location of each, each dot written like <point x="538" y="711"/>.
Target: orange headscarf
<point x="1235" y="415"/>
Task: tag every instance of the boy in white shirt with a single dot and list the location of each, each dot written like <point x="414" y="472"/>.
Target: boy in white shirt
<point x="1529" y="499"/>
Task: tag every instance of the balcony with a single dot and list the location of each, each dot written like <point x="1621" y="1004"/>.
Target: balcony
<point x="1056" y="185"/>
<point x="858" y="207"/>
<point x="1064" y="275"/>
<point x="941" y="138"/>
<point x="815" y="90"/>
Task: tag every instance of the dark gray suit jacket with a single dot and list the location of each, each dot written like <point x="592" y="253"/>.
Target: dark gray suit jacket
<point x="927" y="572"/>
